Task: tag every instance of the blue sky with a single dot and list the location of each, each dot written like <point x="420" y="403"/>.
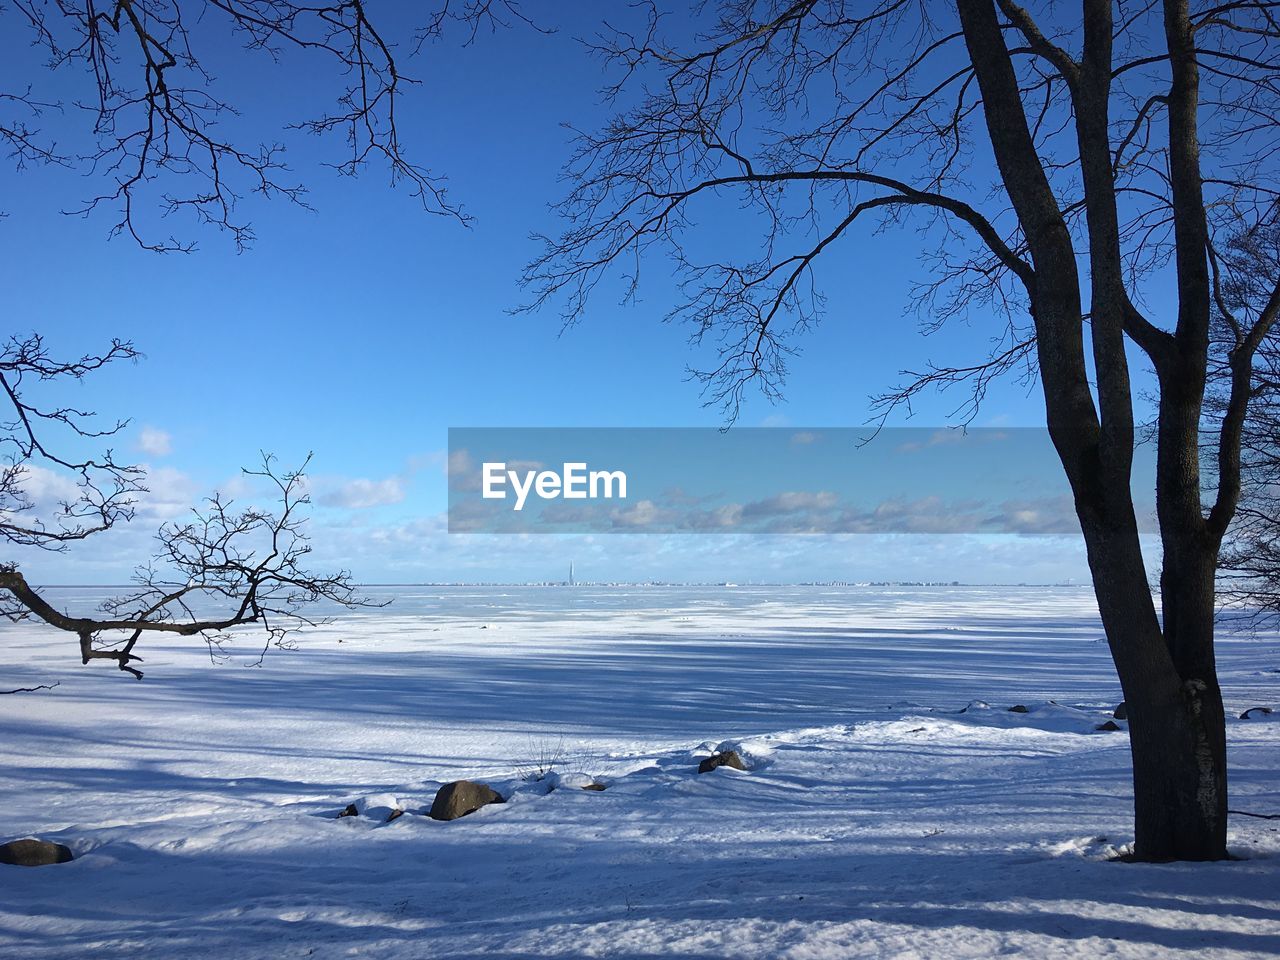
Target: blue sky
<point x="363" y="329"/>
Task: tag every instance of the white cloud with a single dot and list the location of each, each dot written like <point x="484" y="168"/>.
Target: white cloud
<point x="420" y="550"/>
<point x="155" y="442"/>
<point x="170" y="494"/>
<point x="47" y="488"/>
<point x="462" y="471"/>
<point x="791" y="501"/>
<point x="721" y="518"/>
<point x="362" y="493"/>
<point x="645" y="513"/>
<point x="238" y="487"/>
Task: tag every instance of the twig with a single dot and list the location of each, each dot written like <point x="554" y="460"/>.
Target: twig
<point x="1260" y="816"/>
<point x="43" y="686"/>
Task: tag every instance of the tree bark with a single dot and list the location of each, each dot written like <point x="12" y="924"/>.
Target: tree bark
<point x="1176" y="721"/>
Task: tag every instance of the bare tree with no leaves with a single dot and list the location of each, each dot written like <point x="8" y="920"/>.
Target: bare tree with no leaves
<point x="152" y="130"/>
<point x="221" y="569"/>
<point x="1248" y="272"/>
<point x="1066" y="164"/>
<point x="156" y="134"/>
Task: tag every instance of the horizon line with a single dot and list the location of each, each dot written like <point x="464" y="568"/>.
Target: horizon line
<point x="644" y="583"/>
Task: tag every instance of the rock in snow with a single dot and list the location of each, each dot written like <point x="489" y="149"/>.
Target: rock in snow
<point x="726" y="758"/>
<point x="1121" y="712"/>
<point x="461" y="797"/>
<point x="1256" y="713"/>
<point x="1019" y="708"/>
<point x="31" y="852"/>
<point x="1108" y="727"/>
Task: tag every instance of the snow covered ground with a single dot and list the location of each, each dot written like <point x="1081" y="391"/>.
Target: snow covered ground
<point x="876" y="820"/>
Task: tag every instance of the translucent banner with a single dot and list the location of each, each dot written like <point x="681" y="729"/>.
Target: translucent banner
<point x="761" y="480"/>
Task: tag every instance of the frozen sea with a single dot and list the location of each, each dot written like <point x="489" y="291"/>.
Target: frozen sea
<point x="876" y="819"/>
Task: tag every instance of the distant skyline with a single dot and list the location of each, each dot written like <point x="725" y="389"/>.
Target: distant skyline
<point x="362" y="330"/>
<point x="623" y="584"/>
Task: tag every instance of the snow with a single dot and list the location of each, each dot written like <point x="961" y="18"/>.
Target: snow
<point x="876" y="818"/>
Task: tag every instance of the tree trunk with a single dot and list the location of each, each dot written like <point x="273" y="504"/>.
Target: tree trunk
<point x="1179" y="771"/>
<point x="1176" y="720"/>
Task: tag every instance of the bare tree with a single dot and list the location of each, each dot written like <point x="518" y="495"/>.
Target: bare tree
<point x="1063" y="162"/>
<point x="1247" y="275"/>
<point x="105" y="490"/>
<point x="153" y="130"/>
<point x="159" y="133"/>
<point x="222" y="569"/>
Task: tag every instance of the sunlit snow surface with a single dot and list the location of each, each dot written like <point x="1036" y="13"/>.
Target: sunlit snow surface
<point x="876" y="820"/>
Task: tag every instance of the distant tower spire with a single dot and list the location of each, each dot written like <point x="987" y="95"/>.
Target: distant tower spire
<point x="571" y="573"/>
